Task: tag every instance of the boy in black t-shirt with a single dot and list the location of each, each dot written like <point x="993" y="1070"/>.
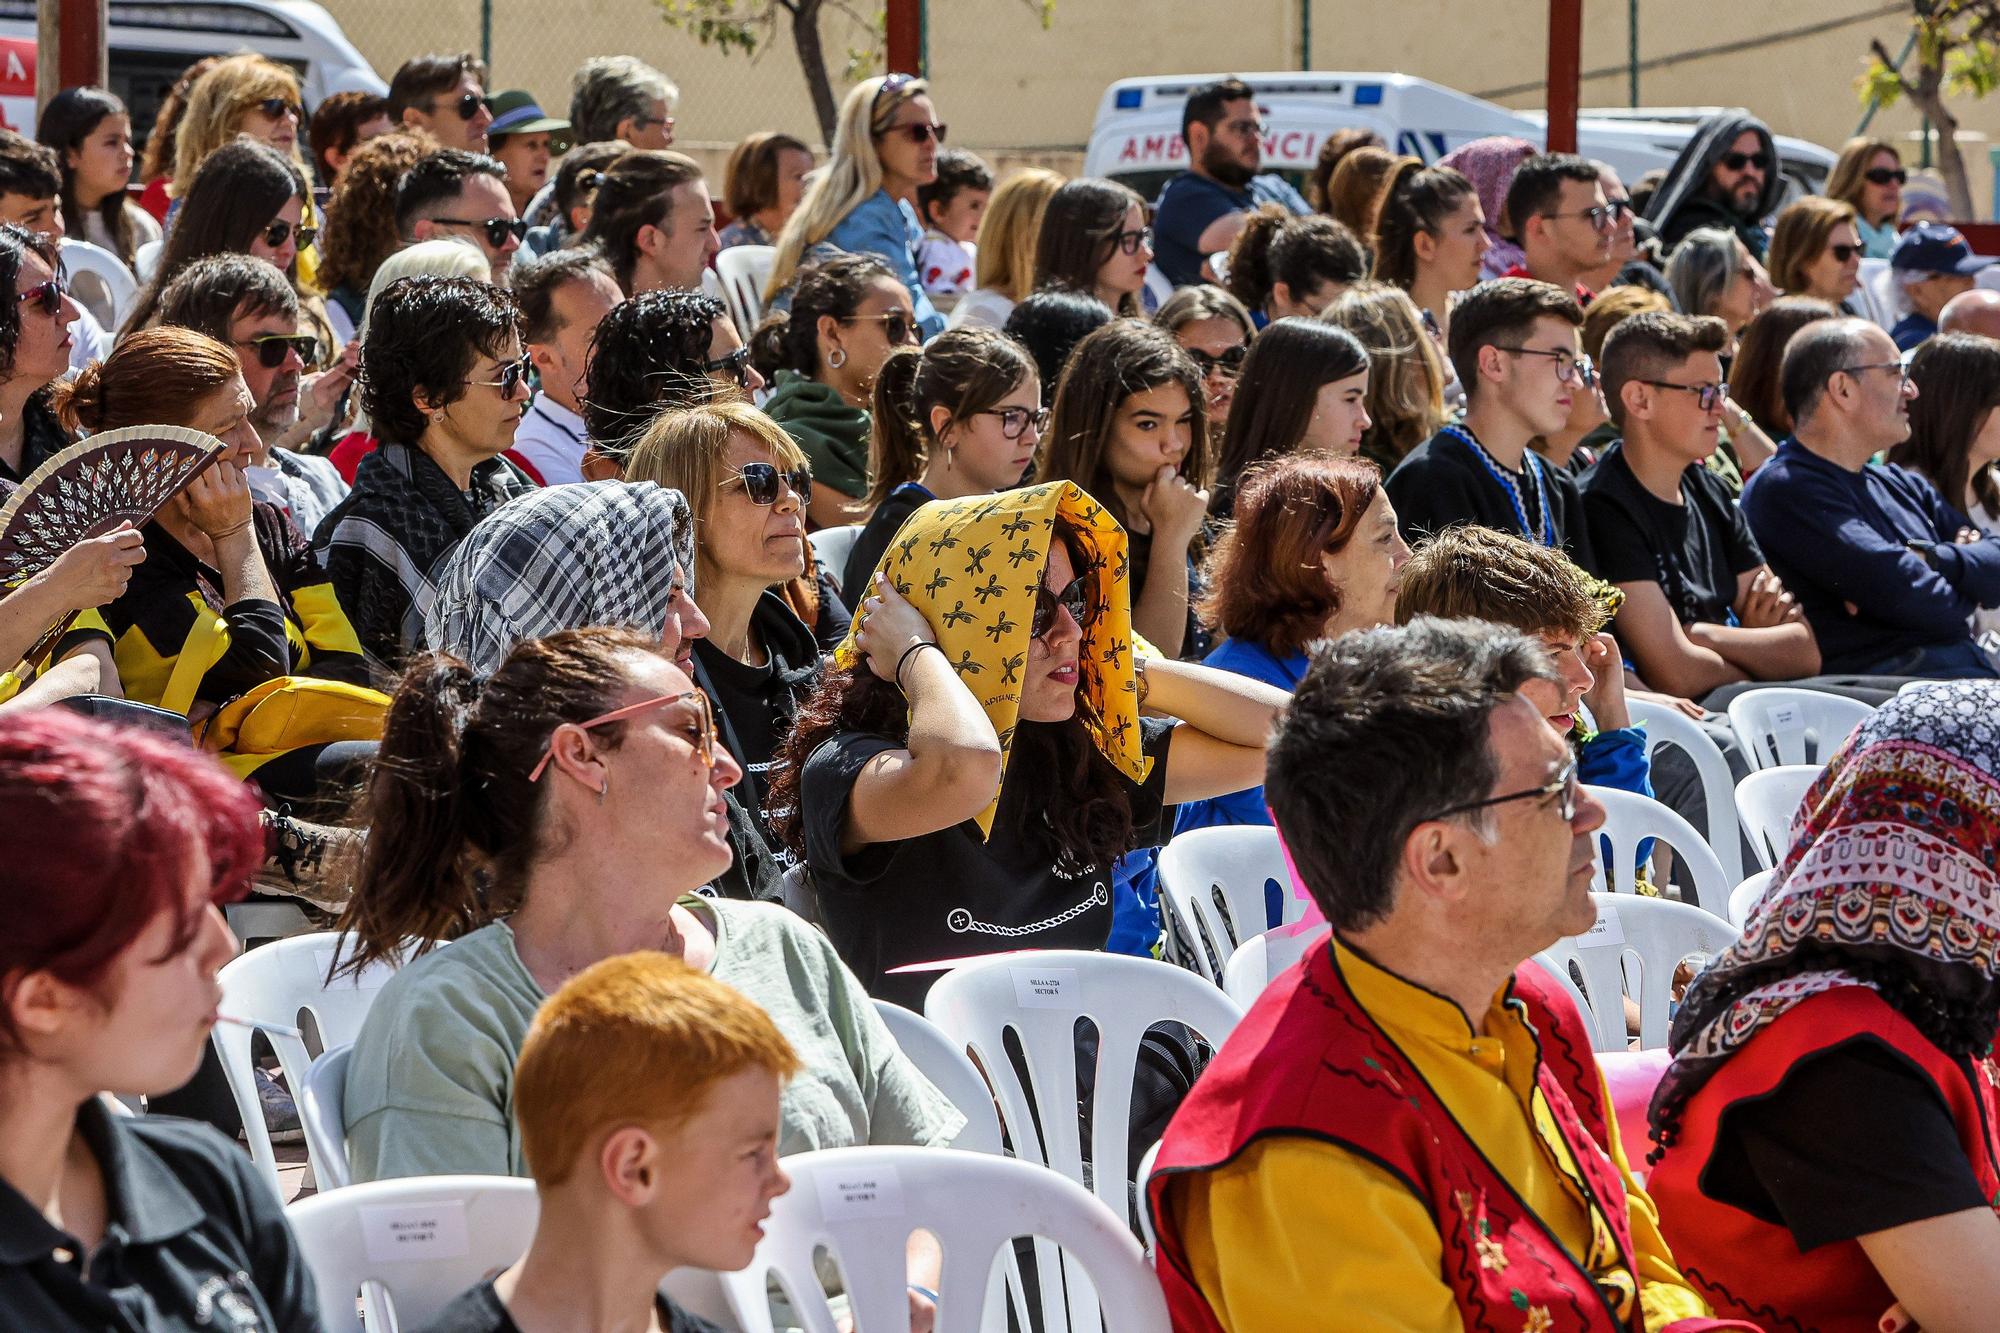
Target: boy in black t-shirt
<point x="1701" y="609"/>
<point x="647" y="1093"/>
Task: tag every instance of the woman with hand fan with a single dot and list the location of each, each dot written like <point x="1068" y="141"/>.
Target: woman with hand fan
<point x="87" y="575"/>
<point x="35" y="319"/>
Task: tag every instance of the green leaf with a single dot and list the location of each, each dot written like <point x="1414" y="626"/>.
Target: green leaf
<point x="1880" y="84"/>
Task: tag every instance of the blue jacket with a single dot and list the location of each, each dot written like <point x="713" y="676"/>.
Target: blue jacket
<point x="1259" y="663"/>
<point x="888" y="227"/>
<point x="1837" y="537"/>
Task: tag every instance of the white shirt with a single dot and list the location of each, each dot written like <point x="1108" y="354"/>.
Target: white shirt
<point x="552" y="440"/>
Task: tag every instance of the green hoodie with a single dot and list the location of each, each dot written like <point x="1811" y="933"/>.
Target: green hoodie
<point x="833" y="435"/>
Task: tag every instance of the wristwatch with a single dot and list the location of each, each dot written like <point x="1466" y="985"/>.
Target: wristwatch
<point x="1139" y="677"/>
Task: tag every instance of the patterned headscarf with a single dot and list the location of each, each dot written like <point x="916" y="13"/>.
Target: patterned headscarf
<point x="1893" y="854"/>
<point x="565" y="557"/>
<point x="972" y="566"/>
<point x="1489" y="164"/>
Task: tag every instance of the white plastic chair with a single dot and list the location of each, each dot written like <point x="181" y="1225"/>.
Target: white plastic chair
<point x="1629" y="819"/>
<point x="424" y="1238"/>
<point x="266" y="921"/>
<point x="742" y="270"/>
<point x="1139" y="1179"/>
<point x="1650" y="936"/>
<point x="1555" y="961"/>
<point x="1212" y="891"/>
<point x="121" y="289"/>
<point x="1667" y="725"/>
<point x="830" y="546"/>
<point x="323" y="1116"/>
<point x="1777" y="725"/>
<point x="1766" y="800"/>
<point x="146" y="260"/>
<point x="862" y="1204"/>
<point x="1745" y="895"/>
<point x="950" y="1072"/>
<point x="270" y="987"/>
<point x="1259" y="959"/>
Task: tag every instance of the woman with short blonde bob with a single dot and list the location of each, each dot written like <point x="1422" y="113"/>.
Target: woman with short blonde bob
<point x="1816" y="250"/>
<point x="1004" y="273"/>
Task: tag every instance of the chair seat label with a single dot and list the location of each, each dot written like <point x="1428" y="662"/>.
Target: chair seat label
<point x="1044" y="987"/>
<point x="874" y="1192"/>
<point x="405" y="1233"/>
<point x="1607" y="930"/>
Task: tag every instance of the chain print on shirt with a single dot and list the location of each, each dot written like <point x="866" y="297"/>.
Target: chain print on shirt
<point x="961" y="922"/>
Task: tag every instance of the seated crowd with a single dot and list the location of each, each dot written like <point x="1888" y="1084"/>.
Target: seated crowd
<point x="703" y="686"/>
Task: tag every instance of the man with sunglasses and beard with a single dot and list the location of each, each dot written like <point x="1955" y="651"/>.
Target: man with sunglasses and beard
<point x="452" y="193"/>
<point x="444" y="93"/>
<point x="1201" y="210"/>
<point x="1726" y="176"/>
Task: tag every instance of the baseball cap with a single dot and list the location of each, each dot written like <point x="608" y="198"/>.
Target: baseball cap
<point x="515" y="111"/>
<point x="1932" y="247"/>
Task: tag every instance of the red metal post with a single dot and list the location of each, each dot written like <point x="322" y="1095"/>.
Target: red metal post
<point x="1565" y="72"/>
<point x="905" y="20"/>
<point x="72" y="48"/>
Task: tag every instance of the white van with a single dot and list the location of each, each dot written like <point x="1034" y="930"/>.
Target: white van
<point x="152" y="42"/>
<point x="1137" y="135"/>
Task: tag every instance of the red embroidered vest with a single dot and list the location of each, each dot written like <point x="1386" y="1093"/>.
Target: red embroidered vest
<point x="1309" y="1061"/>
<point x="1751" y="1268"/>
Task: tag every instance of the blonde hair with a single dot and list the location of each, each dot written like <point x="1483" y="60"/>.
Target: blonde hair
<point x="684" y="451"/>
<point x="1800" y="235"/>
<point x="217" y="102"/>
<point x="445" y="257"/>
<point x="1849" y="170"/>
<point x="847" y="181"/>
<point x="634" y="1040"/>
<point x="1406" y="376"/>
<point x="1613" y="306"/>
<point x="1006" y="262"/>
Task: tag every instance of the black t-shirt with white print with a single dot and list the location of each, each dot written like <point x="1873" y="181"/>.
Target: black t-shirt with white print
<point x="949" y="894"/>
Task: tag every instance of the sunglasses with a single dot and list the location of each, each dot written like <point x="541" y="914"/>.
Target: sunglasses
<point x="47" y="296"/>
<point x="1228" y="362"/>
<point x="272" y="348"/>
<point x="277" y="108"/>
<point x="511" y="376"/>
<point x="896" y="326"/>
<point x="1603" y="217"/>
<point x="1014" y="421"/>
<point x="467" y="106"/>
<point x="497" y="229"/>
<point x="737" y="363"/>
<point x="919" y="133"/>
<point x="704" y="745"/>
<point x="1842" y="253"/>
<point x="1707" y="397"/>
<point x="1130" y="241"/>
<point x="1074" y="599"/>
<point x="1886" y="176"/>
<point x="278" y="232"/>
<point x="1738" y="161"/>
<point x="760" y="482"/>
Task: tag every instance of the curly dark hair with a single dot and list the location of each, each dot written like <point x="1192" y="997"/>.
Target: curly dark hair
<point x="360" y="230"/>
<point x="411" y="347"/>
<point x="646" y="356"/>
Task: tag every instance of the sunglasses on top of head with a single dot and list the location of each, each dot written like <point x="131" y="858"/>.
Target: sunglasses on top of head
<point x="272" y="347"/>
<point x="760" y="482"/>
<point x="1075" y="599"/>
<point x="47" y="296"/>
<point x="280" y="231"/>
<point x="467" y="106"/>
<point x="497" y="230"/>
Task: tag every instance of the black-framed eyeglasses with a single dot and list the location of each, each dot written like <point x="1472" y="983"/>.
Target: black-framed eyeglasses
<point x="897" y="326"/>
<point x="1902" y="371"/>
<point x="1229" y="361"/>
<point x="920" y="132"/>
<point x="512" y="374"/>
<point x="1707" y="397"/>
<point x="272" y="347"/>
<point x="1074" y="599"/>
<point x="281" y="231"/>
<point x="1130" y="241"/>
<point x="1602" y="217"/>
<point x="1570" y="368"/>
<point x="1563" y="787"/>
<point x="497" y="230"/>
<point x="1738" y="161"/>
<point x="736" y="363"/>
<point x="760" y="482"/>
<point x="467" y="105"/>
<point x="1014" y="421"/>
<point x="279" y="107"/>
<point x="47" y="296"/>
<point x="1886" y="176"/>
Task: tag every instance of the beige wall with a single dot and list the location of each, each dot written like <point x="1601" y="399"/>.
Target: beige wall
<point x="1004" y="83"/>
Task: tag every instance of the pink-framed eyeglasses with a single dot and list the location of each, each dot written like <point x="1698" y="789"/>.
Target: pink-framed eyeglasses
<point x="704" y="748"/>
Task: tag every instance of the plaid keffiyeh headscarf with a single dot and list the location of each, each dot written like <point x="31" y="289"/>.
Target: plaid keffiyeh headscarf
<point x="1893" y="852"/>
<point x="602" y="553"/>
<point x="972" y="567"/>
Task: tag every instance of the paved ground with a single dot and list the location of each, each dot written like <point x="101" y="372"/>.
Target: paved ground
<point x="293" y="1174"/>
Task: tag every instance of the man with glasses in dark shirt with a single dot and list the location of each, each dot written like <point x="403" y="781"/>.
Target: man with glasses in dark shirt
<point x="1201" y="210"/>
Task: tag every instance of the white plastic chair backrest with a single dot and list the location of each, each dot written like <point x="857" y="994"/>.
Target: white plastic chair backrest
<point x="1650" y="936"/>
<point x="1667" y="725"/>
<point x="1139" y="1179"/>
<point x="861" y="1204"/>
<point x="1777" y="725"/>
<point x="1875" y="294"/>
<point x="146" y="260"/>
<point x="1745" y="895"/>
<point x="1259" y="959"/>
<point x="266" y="921"/>
<point x="1629" y="819"/>
<point x="1213" y="883"/>
<point x="742" y="271"/>
<point x="424" y="1238"/>
<point x="1766" y="800"/>
<point x="120" y="286"/>
<point x="1159" y="288"/>
<point x="830" y="546"/>
<point x="323" y="1116"/>
<point x="949" y="1071"/>
<point x="270" y="986"/>
<point x="1555" y="961"/>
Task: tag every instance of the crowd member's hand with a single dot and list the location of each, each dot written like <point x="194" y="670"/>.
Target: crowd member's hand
<point x="1686" y="707"/>
<point x="886" y="626"/>
<point x="1767" y="603"/>
<point x="319" y="395"/>
<point x="218" y="500"/>
<point x="1967" y="536"/>
<point x="1606" y="699"/>
<point x="1173" y="508"/>
<point x="96" y="570"/>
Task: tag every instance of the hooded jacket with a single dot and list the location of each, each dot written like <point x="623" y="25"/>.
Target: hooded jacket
<point x="1681" y="203"/>
<point x="833" y="434"/>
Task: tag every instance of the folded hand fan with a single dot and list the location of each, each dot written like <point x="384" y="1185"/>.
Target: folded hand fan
<point x="88" y="489"/>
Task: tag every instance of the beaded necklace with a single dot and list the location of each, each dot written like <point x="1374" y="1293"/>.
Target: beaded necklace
<point x="1508" y="484"/>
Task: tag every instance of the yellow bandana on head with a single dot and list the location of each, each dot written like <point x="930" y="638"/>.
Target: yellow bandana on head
<point x="973" y="566"/>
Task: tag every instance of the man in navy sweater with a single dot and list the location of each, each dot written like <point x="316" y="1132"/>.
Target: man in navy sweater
<point x="1886" y="569"/>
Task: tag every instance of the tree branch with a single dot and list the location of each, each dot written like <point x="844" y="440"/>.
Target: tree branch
<point x="1881" y="53"/>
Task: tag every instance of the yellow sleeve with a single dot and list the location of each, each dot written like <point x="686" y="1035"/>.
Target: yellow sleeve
<point x="1297" y="1235"/>
<point x="327" y="627"/>
<point x="1664" y="1295"/>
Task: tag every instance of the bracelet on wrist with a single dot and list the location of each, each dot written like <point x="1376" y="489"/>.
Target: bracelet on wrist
<point x="914" y="648"/>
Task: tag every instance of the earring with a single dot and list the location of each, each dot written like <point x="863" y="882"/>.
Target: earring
<point x="604" y="790"/>
<point x="947" y="458"/>
<point x="836" y="358"/>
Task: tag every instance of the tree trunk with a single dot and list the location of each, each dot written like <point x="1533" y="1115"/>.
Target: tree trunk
<point x="812" y="59"/>
<point x="1950" y="161"/>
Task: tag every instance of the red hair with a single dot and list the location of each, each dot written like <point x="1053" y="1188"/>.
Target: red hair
<point x="1265" y="580"/>
<point x="101" y="825"/>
